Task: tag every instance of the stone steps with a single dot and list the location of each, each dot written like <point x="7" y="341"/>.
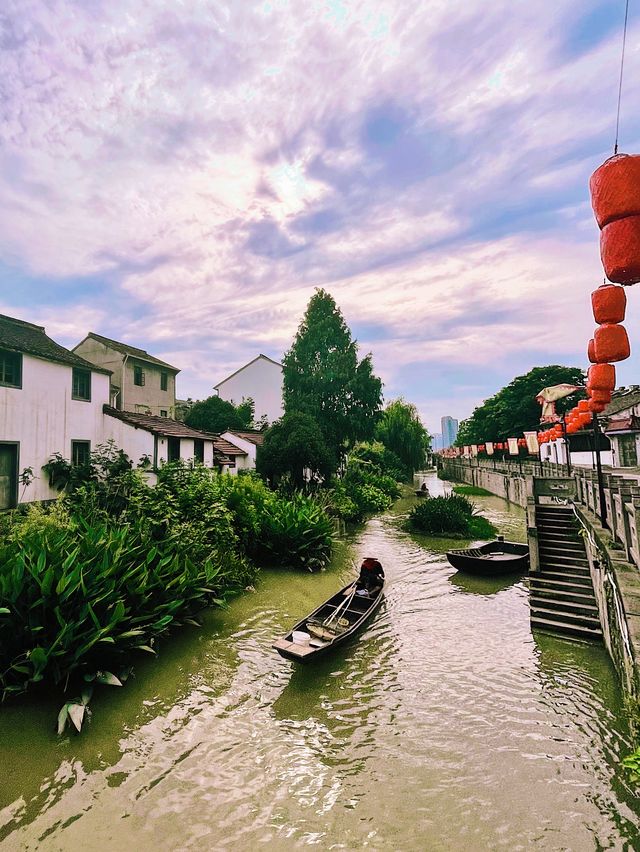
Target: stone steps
<point x="561" y="593"/>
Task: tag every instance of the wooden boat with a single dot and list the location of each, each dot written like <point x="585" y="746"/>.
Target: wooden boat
<point x="496" y="557"/>
<point x="321" y="639"/>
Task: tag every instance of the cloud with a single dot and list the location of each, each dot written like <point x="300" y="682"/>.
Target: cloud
<point x="182" y="177"/>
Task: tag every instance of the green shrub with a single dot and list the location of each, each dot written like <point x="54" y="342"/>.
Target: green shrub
<point x="295" y="533"/>
<point x="77" y="597"/>
<point x="450" y="515"/>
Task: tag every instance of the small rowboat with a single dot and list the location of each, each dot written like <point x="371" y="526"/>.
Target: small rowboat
<point x="320" y="632"/>
<point x="496" y="557"/>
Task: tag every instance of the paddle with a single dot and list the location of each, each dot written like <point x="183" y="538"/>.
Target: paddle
<point x="345" y="603"/>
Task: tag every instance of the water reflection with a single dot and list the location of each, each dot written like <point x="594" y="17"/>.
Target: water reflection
<point x="471" y="584"/>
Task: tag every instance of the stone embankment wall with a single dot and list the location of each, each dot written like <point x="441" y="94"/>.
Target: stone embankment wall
<point x="509" y="485"/>
<point x="613" y="552"/>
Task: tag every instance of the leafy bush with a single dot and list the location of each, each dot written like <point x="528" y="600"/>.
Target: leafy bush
<point x="76" y="596"/>
<point x="295" y="533"/>
<point x="450" y="515"/>
<point x="114" y="564"/>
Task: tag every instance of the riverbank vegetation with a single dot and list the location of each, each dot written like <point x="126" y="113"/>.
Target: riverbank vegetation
<point x="451" y="516"/>
<point x="114" y="565"/>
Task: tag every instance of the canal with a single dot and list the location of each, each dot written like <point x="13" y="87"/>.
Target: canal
<point x="447" y="727"/>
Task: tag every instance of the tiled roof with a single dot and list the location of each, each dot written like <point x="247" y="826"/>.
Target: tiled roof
<point x="132" y="351"/>
<point x="227" y="447"/>
<point x="622" y="400"/>
<point x="244" y="367"/>
<point x="624" y="424"/>
<point x="21" y="336"/>
<point x="157" y="425"/>
<point x="256" y="438"/>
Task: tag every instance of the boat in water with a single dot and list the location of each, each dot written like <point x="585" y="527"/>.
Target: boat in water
<point x="331" y="624"/>
<point x="495" y="557"/>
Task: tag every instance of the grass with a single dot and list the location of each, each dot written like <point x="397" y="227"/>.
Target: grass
<point x="471" y="490"/>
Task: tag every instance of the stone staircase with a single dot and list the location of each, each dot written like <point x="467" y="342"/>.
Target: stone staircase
<point x="561" y="595"/>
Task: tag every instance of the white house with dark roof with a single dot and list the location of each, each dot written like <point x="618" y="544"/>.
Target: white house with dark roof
<point x="248" y="441"/>
<point x="160" y="440"/>
<point x="51" y="400"/>
<point x="259" y="380"/>
<point x="140" y="382"/>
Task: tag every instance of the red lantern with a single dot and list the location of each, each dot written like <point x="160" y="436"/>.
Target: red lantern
<point x="609" y="303"/>
<point x="611" y="343"/>
<point x="601" y="396"/>
<point x="620" y="250"/>
<point x="615" y="188"/>
<point x="583" y="405"/>
<point x="597" y="407"/>
<point x="601" y="377"/>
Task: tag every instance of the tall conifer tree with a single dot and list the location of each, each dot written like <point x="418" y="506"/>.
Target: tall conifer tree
<point x="324" y="379"/>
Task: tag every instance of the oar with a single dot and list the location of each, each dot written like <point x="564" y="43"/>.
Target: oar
<point x="345" y="603"/>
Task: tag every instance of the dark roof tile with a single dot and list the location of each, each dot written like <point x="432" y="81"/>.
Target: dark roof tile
<point x="132" y="351"/>
<point x="21" y="336"/>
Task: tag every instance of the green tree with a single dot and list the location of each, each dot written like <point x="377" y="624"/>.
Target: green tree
<point x="401" y="431"/>
<point x="514" y="410"/>
<point x="217" y="415"/>
<point x="292" y="445"/>
<point x="323" y="378"/>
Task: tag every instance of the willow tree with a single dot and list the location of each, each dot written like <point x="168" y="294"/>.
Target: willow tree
<point x="401" y="431"/>
<point x="323" y="378"/>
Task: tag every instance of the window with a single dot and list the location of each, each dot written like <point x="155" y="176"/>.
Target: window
<point x="163" y="413"/>
<point x="10" y="369"/>
<point x="80" y="453"/>
<point x="164" y="380"/>
<point x="198" y="450"/>
<point x="173" y="450"/>
<point x="138" y="375"/>
<point x="81" y="386"/>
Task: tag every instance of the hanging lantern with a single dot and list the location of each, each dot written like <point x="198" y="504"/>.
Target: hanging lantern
<point x="601" y="396"/>
<point x="620" y="250"/>
<point x="601" y="377"/>
<point x="609" y="303"/>
<point x="615" y="188"/>
<point x="596" y="407"/>
<point x="583" y="405"/>
<point x="611" y="343"/>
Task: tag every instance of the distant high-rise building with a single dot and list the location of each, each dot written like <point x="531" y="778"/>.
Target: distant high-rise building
<point x="436" y="442"/>
<point x="449" y="428"/>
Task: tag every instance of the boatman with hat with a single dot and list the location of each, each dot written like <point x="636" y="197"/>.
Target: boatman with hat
<point x="371" y="577"/>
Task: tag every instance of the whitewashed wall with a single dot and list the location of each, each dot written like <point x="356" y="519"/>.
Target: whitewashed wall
<point x="260" y="380"/>
<point x="247" y="462"/>
<point x="44" y="419"/>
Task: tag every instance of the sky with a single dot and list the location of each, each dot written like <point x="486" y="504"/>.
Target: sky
<point x="181" y="176"/>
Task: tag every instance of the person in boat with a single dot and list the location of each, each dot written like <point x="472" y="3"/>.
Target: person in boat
<point x="371" y="578"/>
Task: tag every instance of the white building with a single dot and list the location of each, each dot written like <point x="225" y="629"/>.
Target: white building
<point x="623" y="426"/>
<point x="247" y="441"/>
<point x="259" y="380"/>
<point x="51" y="401"/>
<point x="159" y="440"/>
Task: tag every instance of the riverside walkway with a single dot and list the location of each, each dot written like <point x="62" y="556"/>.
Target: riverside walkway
<point x="588" y="572"/>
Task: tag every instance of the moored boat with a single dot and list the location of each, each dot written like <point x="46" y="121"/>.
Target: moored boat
<point x="495" y="557"/>
<point x="331" y="624"/>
